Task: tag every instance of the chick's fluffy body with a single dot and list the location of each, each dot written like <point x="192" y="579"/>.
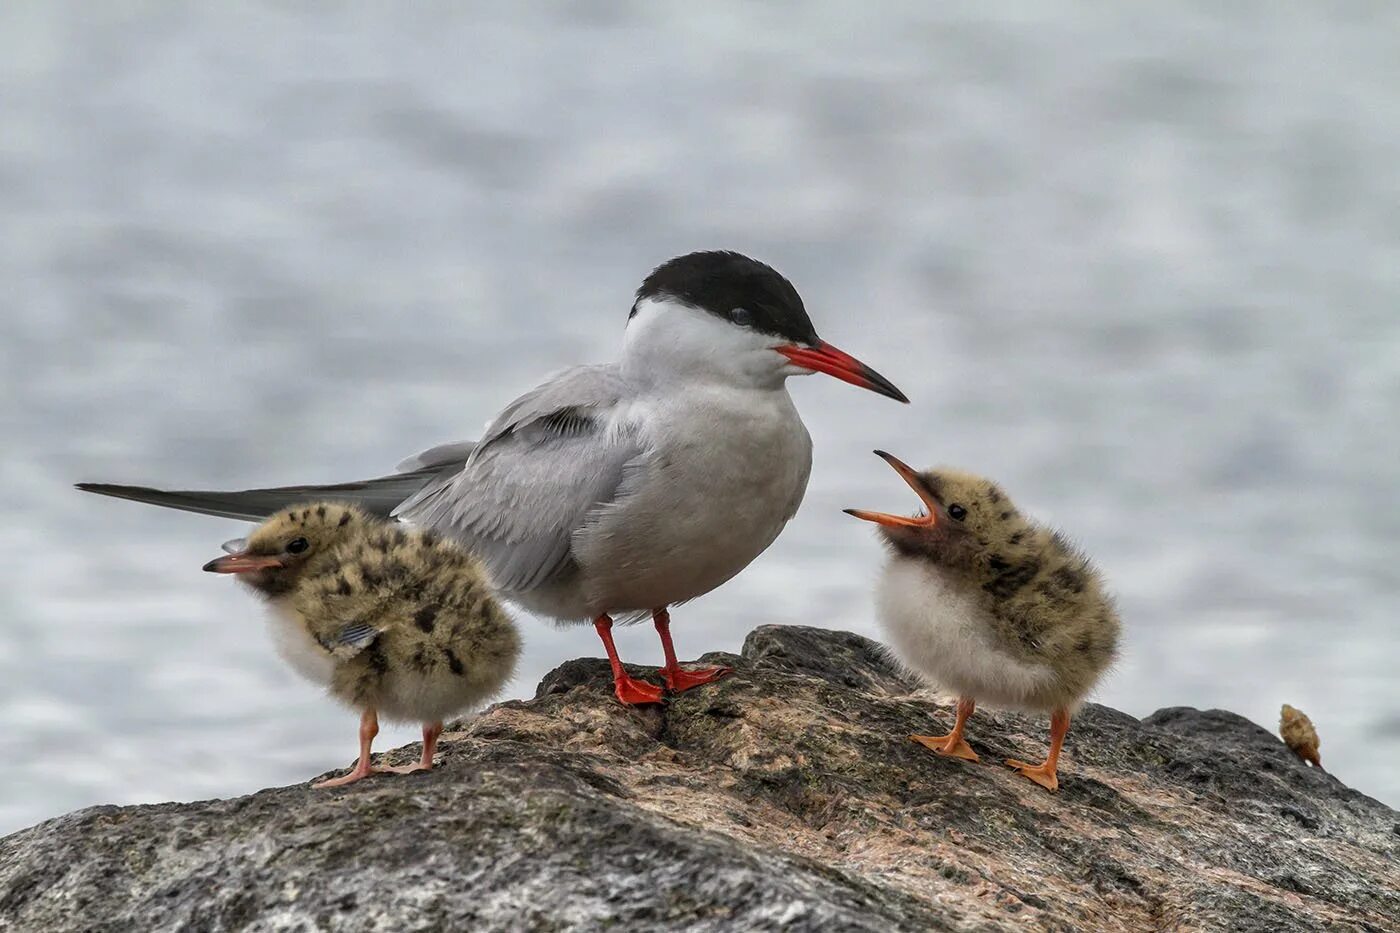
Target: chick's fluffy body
<point x="385" y="617"/>
<point x="996" y="606"/>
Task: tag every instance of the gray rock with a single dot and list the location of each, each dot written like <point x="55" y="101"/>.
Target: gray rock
<point x="786" y="797"/>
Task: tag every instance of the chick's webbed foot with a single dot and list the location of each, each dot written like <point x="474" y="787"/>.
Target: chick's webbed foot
<point x="358" y="773"/>
<point x="1043" y="773"/>
<point x="431" y="731"/>
<point x="952" y="745"/>
<point x="364" y="767"/>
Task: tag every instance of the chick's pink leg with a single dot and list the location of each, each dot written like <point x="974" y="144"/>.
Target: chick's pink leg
<point x="953" y="744"/>
<point x="627" y="689"/>
<point x="369" y="728"/>
<point x="431" y="731"/>
<point x="677" y="679"/>
<point x="1044" y="773"/>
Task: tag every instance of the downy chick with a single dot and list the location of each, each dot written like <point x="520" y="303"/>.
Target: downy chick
<point x="981" y="600"/>
<point x="388" y="619"/>
<point x="1298" y="734"/>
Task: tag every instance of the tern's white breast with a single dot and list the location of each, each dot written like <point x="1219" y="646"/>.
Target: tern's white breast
<point x="726" y="470"/>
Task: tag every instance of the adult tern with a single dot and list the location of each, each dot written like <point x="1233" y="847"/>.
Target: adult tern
<point x="621" y="489"/>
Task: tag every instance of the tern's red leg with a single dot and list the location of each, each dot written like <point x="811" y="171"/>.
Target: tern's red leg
<point x="953" y="744"/>
<point x="369" y="728"/>
<point x="1044" y="773"/>
<point x="630" y="691"/>
<point x="677" y="679"/>
<point x="431" y="731"/>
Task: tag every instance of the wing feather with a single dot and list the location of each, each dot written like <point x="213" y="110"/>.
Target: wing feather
<point x="551" y="459"/>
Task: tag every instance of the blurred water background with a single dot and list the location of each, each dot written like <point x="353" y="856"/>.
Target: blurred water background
<point x="1141" y="265"/>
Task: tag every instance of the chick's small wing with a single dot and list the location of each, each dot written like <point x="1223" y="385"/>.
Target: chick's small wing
<point x="341" y="614"/>
<point x="349" y="639"/>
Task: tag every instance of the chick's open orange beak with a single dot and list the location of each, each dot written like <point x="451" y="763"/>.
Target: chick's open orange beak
<point x="242" y="562"/>
<point x="824" y="358"/>
<point x="910" y="476"/>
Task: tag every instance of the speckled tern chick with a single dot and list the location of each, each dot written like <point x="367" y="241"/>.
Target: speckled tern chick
<point x="987" y="603"/>
<point x="390" y="620"/>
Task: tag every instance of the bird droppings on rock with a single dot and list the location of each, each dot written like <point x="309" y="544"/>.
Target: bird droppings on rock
<point x="784" y="797"/>
<point x="1298" y="734"/>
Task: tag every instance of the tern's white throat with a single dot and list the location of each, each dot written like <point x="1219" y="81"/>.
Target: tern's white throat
<point x="670" y="342"/>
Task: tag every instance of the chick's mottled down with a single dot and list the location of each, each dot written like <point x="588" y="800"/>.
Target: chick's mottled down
<point x="984" y="601"/>
<point x="390" y="620"/>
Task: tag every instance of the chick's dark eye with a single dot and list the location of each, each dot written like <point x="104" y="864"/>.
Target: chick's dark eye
<point x="741" y="316"/>
<point x="956" y="512"/>
<point x="297" y="545"/>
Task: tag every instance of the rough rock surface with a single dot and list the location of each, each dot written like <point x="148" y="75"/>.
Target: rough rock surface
<point x="786" y="797"/>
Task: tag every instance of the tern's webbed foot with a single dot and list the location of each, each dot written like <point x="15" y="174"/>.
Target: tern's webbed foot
<point x="681" y="680"/>
<point x="635" y="692"/>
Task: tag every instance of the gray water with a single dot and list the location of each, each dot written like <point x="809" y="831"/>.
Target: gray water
<point x="1143" y="267"/>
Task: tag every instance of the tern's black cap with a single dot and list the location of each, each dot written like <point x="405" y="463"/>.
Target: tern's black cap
<point x="735" y="288"/>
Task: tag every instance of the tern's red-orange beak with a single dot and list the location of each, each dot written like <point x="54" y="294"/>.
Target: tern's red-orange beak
<point x="242" y="563"/>
<point x="910" y="476"/>
<point x="824" y="358"/>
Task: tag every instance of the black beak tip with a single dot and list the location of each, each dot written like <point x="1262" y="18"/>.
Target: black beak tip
<point x="210" y="568"/>
<point x="884" y="387"/>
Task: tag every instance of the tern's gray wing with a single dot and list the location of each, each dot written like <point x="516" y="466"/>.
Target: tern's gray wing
<point x="545" y="464"/>
<point x="441" y="457"/>
<point x="562" y="404"/>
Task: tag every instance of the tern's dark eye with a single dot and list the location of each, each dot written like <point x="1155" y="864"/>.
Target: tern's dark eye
<point x="741" y="316"/>
<point x="956" y="512"/>
<point x="297" y="545"/>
